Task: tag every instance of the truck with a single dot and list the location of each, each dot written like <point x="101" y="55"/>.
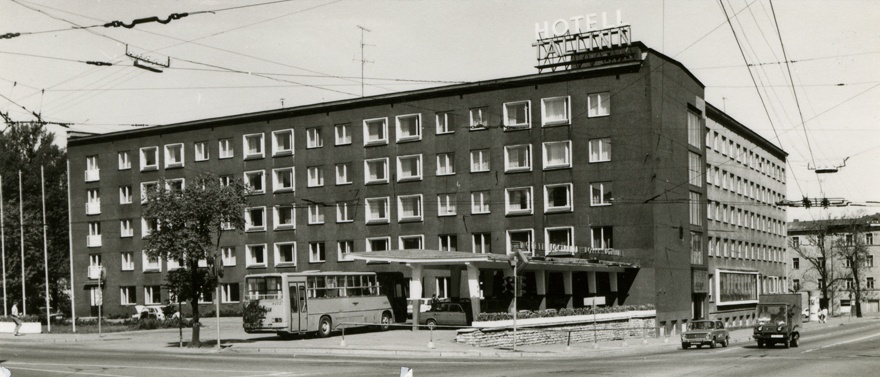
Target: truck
<point x="778" y="319"/>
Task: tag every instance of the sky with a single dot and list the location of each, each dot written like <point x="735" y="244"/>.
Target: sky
<point x="232" y="57"/>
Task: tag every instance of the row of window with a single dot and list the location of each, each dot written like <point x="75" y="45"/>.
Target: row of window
<point x="849" y="284"/>
<point x="728" y="181"/>
<point x="729" y="214"/>
<point x="848" y="239"/>
<point x="229" y="293"/>
<point x="868" y="262"/>
<point x="741" y="154"/>
<point x="727" y="248"/>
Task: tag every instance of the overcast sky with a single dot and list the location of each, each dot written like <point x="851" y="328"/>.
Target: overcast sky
<point x="247" y="59"/>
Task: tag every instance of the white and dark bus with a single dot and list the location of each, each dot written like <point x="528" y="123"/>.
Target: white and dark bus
<point x="321" y="302"/>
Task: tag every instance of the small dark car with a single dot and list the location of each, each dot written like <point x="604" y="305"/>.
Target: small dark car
<point x="707" y="332"/>
<point x="446" y="314"/>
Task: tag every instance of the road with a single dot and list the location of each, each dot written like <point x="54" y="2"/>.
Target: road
<point x="835" y="350"/>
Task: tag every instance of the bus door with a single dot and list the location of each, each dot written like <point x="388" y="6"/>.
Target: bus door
<point x="298" y="314"/>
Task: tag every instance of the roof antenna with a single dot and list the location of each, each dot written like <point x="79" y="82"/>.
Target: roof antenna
<point x="363" y="61"/>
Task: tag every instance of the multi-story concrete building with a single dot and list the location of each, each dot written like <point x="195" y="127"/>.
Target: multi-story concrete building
<point x="804" y="252"/>
<point x="487" y="168"/>
<point x="745" y="178"/>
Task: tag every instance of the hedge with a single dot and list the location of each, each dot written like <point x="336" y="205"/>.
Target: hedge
<point x="524" y="314"/>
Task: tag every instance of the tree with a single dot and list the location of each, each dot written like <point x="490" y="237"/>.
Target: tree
<point x="852" y="248"/>
<point x="27" y="148"/>
<point x="818" y="251"/>
<point x="190" y="222"/>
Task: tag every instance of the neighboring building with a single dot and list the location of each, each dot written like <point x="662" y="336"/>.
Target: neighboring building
<point x="745" y="178"/>
<point x="492" y="167"/>
<point x="803" y="275"/>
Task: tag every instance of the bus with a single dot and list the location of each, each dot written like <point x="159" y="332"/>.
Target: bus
<point x="305" y="302"/>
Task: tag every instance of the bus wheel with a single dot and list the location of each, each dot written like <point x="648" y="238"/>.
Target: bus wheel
<point x="386" y="321"/>
<point x="324" y="327"/>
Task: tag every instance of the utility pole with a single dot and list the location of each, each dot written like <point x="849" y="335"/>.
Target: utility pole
<point x="363" y="61"/>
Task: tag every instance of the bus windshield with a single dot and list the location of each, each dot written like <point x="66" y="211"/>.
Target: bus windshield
<point x="264" y="288"/>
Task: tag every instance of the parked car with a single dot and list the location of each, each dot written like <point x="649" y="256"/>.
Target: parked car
<point x="447" y="314"/>
<point x="705" y="332"/>
<point x="424" y="305"/>
<point x="154" y="312"/>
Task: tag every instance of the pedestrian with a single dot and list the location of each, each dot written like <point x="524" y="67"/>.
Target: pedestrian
<point x="823" y="316"/>
<point x="16" y="318"/>
<point x="434" y="302"/>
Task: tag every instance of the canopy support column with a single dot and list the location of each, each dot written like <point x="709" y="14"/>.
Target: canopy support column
<point x="415" y="293"/>
<point x="473" y="279"/>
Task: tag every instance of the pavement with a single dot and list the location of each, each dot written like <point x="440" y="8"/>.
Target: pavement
<point x="400" y="341"/>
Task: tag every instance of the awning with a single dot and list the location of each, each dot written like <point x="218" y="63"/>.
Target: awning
<point x="438" y="258"/>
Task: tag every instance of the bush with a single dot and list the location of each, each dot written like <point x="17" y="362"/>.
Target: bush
<point x="565" y="312"/>
<point x="24" y="318"/>
<point x="152" y="324"/>
<point x="223" y="313"/>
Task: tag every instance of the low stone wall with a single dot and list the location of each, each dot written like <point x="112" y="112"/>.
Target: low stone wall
<point x="26" y="328"/>
<point x="605" y="330"/>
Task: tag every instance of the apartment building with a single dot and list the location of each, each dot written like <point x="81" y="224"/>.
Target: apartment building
<point x="521" y="163"/>
<point x="745" y="179"/>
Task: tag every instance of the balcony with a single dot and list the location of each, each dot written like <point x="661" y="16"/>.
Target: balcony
<point x="93" y="240"/>
<point x="96" y="272"/>
<point x="93" y="175"/>
<point x="93" y="208"/>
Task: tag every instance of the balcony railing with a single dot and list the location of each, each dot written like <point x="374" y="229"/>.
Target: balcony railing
<point x="93" y="208"/>
<point x="93" y="175"/>
<point x="93" y="241"/>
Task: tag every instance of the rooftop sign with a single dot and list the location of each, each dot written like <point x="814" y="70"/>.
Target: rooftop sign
<point x="578" y="41"/>
<point x="578" y="25"/>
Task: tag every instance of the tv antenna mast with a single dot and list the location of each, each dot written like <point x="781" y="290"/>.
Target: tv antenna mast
<point x="363" y="61"/>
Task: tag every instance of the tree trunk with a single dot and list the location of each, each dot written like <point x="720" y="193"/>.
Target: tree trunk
<point x="196" y="325"/>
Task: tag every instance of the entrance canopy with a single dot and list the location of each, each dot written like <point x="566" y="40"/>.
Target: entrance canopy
<point x="438" y="258"/>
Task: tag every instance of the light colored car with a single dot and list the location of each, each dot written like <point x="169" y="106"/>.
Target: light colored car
<point x="707" y="332"/>
<point x="142" y="311"/>
<point x="424" y="305"/>
<point x="446" y="314"/>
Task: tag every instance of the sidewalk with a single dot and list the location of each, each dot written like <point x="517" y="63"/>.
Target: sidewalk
<point x="400" y="342"/>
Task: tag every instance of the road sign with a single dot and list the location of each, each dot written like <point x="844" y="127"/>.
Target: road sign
<point x="593" y="301"/>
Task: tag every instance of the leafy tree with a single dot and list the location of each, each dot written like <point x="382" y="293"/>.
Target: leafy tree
<point x="816" y="246"/>
<point x="852" y="248"/>
<point x="190" y="223"/>
<point x="27" y="148"/>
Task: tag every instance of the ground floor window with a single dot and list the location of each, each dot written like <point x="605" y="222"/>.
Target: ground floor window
<point x="229" y="293"/>
<point x="153" y="294"/>
<point x="127" y="295"/>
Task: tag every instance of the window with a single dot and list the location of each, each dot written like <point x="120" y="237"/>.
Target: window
<point x="869" y="283"/>
<point x="409" y="127"/>
<point x="377" y="210"/>
<point x="848" y="239"/>
<point x="409" y="167"/>
<point x="228" y="255"/>
<point x="446" y="205"/>
<point x="869" y="260"/>
<point x="445" y="123"/>
<point x="316" y="176"/>
<point x="343" y="173"/>
<point x="446" y="164"/>
<point x="225" y="180"/>
<point x="282" y="180"/>
<point x="175" y="185"/>
<point x="124" y="160"/>
<point x="479" y="160"/>
<point x="376" y="170"/>
<point x="173" y="156"/>
<point x="255" y="182"/>
<point x="344" y="212"/>
<point x="479" y="202"/>
<point x="201" y="151"/>
<point x="795" y="263"/>
<point x="409" y="208"/>
<point x="517" y="114"/>
<point x="600" y="193"/>
<point x="316" y="214"/>
<point x="695" y="169"/>
<point x="153" y="294"/>
<point x="230" y="293"/>
<point x="521" y="239"/>
<point x="555" y="111"/>
<point x="411" y="242"/>
<point x="93" y="202"/>
<point x="557" y="154"/>
<point x="285" y="254"/>
<point x="92" y="171"/>
<point x="127" y="261"/>
<point x="558" y="197"/>
<point x="696" y="248"/>
<point x="94" y="237"/>
<point x="285" y="217"/>
<point x="225" y="148"/>
<point x="313" y="138"/>
<point x="599" y="104"/>
<point x="479" y="118"/>
<point x="148" y="226"/>
<point x="448" y="242"/>
<point x="376" y="131"/>
<point x="343" y="134"/>
<point x="378" y="244"/>
<point x="256" y="255"/>
<point x="317" y="252"/>
<point x="125" y="229"/>
<point x="255" y="219"/>
<point x="796" y="284"/>
<point x="518" y="158"/>
<point x="695" y="129"/>
<point x="559" y="239"/>
<point x="869" y="238"/>
<point x="600" y="150"/>
<point x="149" y="158"/>
<point x="695" y="213"/>
<point x="344" y="250"/>
<point x="601" y="237"/>
<point x="482" y="243"/>
<point x="253" y="146"/>
<point x="282" y="142"/>
<point x="518" y="201"/>
<point x="151" y="264"/>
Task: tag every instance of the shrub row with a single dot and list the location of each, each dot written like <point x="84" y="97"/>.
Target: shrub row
<point x="24" y="318"/>
<point x="524" y="314"/>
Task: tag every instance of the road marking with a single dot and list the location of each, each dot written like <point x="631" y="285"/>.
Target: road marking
<point x="151" y="367"/>
<point x="844" y="342"/>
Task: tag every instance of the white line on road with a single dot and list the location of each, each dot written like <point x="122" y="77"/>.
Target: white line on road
<point x="844" y="342"/>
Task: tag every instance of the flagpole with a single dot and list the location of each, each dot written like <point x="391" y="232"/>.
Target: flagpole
<point x="21" y="230"/>
<point x="3" y="245"/>
<point x="70" y="246"/>
<point x="45" y="251"/>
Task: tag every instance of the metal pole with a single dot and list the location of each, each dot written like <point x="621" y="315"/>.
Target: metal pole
<point x="45" y="252"/>
<point x="180" y="321"/>
<point x="514" y="306"/>
<point x="21" y="230"/>
<point x="3" y="246"/>
<point x="217" y="292"/>
<point x="70" y="248"/>
<point x="101" y="301"/>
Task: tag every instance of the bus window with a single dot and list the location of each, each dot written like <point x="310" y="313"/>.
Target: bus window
<point x="264" y="288"/>
<point x="353" y="287"/>
<point x="332" y="290"/>
<point x="316" y="287"/>
<point x="372" y="285"/>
